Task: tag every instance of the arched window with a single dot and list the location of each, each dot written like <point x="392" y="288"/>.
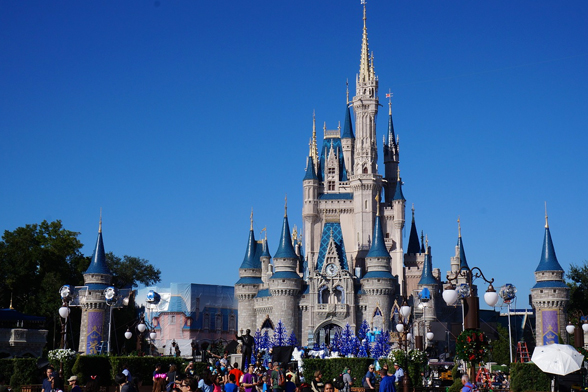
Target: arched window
<point x="378" y="320"/>
<point x="339" y="294"/>
<point x="324" y="294"/>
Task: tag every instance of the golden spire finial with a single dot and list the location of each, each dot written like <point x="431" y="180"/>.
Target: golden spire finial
<point x="398" y="174"/>
<point x="264" y="230"/>
<point x="427" y="244"/>
<point x="389" y="96"/>
<point x="100" y="222"/>
<point x="546" y="221"/>
<point x="251" y="219"/>
<point x="11" y="301"/>
<point x="314" y="146"/>
<point x="458" y="227"/>
<point x="286" y="206"/>
<point x="378" y="204"/>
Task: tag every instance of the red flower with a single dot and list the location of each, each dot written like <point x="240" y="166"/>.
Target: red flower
<point x="472" y="357"/>
<point x="469" y="340"/>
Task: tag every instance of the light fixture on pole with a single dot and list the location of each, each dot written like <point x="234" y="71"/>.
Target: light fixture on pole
<point x="403" y="328"/>
<point x="66" y="294"/>
<point x="508" y="293"/>
<point x="128" y="334"/>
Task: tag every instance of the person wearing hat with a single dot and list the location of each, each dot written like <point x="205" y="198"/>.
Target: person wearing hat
<point x="398" y="374"/>
<point x="347" y="380"/>
<point x="73" y="382"/>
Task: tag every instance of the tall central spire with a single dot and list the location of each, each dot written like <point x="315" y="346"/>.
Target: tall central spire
<point x="365" y="67"/>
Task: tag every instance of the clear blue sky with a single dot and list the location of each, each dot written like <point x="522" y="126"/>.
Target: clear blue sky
<point x="177" y="117"/>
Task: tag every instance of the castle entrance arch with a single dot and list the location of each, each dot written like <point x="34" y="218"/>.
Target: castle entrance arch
<point x="326" y="332"/>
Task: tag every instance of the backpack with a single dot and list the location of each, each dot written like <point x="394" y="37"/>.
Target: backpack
<point x="472" y="387"/>
<point x="282" y="379"/>
<point x="338" y="382"/>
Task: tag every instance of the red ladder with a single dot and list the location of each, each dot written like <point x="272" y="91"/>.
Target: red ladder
<point x="522" y="352"/>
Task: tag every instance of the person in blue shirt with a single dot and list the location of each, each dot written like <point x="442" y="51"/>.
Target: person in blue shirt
<point x="231" y="386"/>
<point x="398" y="374"/>
<point x="467" y="385"/>
<point x="387" y="382"/>
<point x="369" y="380"/>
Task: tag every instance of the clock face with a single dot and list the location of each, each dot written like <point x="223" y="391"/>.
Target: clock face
<point x="331" y="269"/>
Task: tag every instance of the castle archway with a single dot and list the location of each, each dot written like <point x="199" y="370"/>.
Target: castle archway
<point x="325" y="332"/>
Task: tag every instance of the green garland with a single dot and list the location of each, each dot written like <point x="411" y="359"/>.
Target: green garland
<point x="472" y="346"/>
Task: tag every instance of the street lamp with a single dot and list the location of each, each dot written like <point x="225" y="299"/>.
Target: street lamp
<point x="401" y="328"/>
<point x="471" y="302"/>
<point x="581" y="320"/>
<point x="66" y="294"/>
<point x="508" y="293"/>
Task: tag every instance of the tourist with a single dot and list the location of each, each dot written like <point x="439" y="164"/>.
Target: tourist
<point x="369" y="380"/>
<point x="47" y="381"/>
<point x="189" y="370"/>
<point x="250" y="379"/>
<point x="73" y="382"/>
<point x="398" y="374"/>
<point x="122" y="381"/>
<point x="278" y="379"/>
<point x="329" y="387"/>
<point x="237" y="373"/>
<point x="387" y="382"/>
<point x="231" y="386"/>
<point x="290" y="386"/>
<point x="292" y="372"/>
<point x="347" y="380"/>
<point x="467" y="385"/>
<point x="317" y="383"/>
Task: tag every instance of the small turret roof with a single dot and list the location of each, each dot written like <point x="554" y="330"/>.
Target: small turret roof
<point x="250" y="260"/>
<point x="285" y="249"/>
<point x="348" y="127"/>
<point x="413" y="238"/>
<point x="427" y="275"/>
<point x="548" y="260"/>
<point x="463" y="263"/>
<point x="398" y="195"/>
<point x="310" y="171"/>
<point x="98" y="263"/>
<point x="378" y="248"/>
<point x="265" y="252"/>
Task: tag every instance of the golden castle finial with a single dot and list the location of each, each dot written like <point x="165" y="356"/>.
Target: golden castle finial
<point x="264" y="230"/>
<point x="378" y="204"/>
<point x="389" y="96"/>
<point x="251" y="219"/>
<point x="546" y="221"/>
<point x="458" y="227"/>
<point x="398" y="174"/>
<point x="364" y="66"/>
<point x="11" y="301"/>
<point x="286" y="206"/>
<point x="314" y="146"/>
<point x="100" y="222"/>
<point x="427" y="244"/>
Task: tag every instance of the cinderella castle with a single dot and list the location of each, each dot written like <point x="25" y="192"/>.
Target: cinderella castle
<point x="352" y="264"/>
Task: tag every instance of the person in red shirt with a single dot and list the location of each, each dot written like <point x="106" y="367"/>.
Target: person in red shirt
<point x="237" y="372"/>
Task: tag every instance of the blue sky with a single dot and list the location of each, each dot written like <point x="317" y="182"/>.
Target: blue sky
<point x="178" y="117"/>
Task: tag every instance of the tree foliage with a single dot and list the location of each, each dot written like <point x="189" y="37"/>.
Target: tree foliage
<point x="129" y="271"/>
<point x="500" y="352"/>
<point x="578" y="283"/>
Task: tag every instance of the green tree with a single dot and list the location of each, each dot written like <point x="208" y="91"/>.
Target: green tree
<point x="129" y="271"/>
<point x="500" y="346"/>
<point x="578" y="283"/>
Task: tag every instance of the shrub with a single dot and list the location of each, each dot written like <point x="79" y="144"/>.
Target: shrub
<point x="144" y="366"/>
<point x="332" y="367"/>
<point x="528" y="377"/>
<point x="24" y="371"/>
<point x="92" y="365"/>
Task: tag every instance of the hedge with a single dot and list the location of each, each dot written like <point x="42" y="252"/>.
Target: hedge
<point x="332" y="367"/>
<point x="528" y="377"/>
<point x="23" y="371"/>
<point x="144" y="366"/>
<point x="93" y="365"/>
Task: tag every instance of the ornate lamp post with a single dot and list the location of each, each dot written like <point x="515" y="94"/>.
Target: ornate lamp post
<point x="402" y="328"/>
<point x="470" y="300"/>
<point x="581" y="321"/>
<point x="66" y="294"/>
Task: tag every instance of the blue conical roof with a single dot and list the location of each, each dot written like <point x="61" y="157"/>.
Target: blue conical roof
<point x="347" y="128"/>
<point x="250" y="261"/>
<point x="548" y="258"/>
<point x="413" y="238"/>
<point x="391" y="135"/>
<point x="285" y="248"/>
<point x="427" y="275"/>
<point x="98" y="263"/>
<point x="463" y="263"/>
<point x="265" y="252"/>
<point x="398" y="193"/>
<point x="378" y="248"/>
<point x="310" y="172"/>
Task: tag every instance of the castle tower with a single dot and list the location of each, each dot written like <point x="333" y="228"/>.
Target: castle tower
<point x="347" y="138"/>
<point x="398" y="208"/>
<point x="95" y="317"/>
<point x="391" y="159"/>
<point x="249" y="283"/>
<point x="365" y="182"/>
<point x="459" y="261"/>
<point x="378" y="284"/>
<point x="310" y="188"/>
<point x="285" y="283"/>
<point x="550" y="295"/>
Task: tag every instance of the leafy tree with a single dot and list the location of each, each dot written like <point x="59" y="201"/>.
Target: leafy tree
<point x="500" y="347"/>
<point x="578" y="283"/>
<point x="129" y="271"/>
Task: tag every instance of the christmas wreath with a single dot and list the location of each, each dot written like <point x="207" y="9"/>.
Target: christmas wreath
<point x="472" y="346"/>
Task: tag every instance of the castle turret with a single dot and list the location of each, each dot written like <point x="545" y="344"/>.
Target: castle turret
<point x="95" y="318"/>
<point x="310" y="189"/>
<point x="550" y="295"/>
<point x="378" y="283"/>
<point x="391" y="159"/>
<point x="347" y="138"/>
<point x="459" y="261"/>
<point x="398" y="207"/>
<point x="249" y="283"/>
<point x="285" y="283"/>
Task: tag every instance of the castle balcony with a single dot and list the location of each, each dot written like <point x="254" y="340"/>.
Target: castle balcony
<point x="332" y="310"/>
